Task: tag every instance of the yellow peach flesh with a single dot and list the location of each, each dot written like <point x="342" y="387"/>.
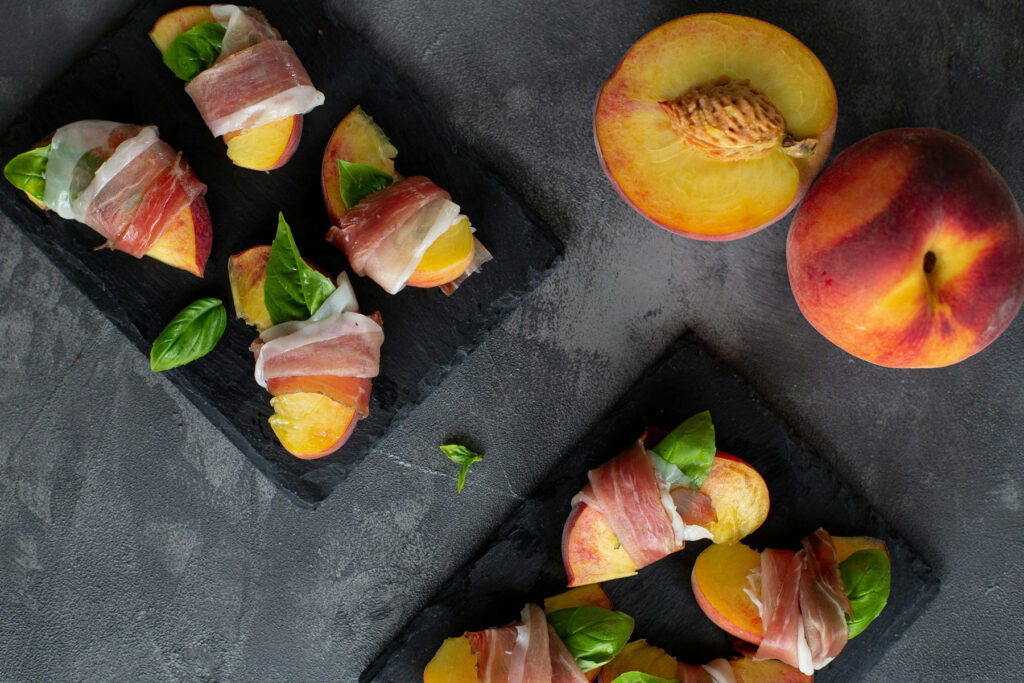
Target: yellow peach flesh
<point x="591" y="594"/>
<point x="171" y="25"/>
<point x="247" y="272"/>
<point x="719" y="577"/>
<point x="358" y="140"/>
<point x="739" y="497"/>
<point x="591" y="551"/>
<point x="310" y="425"/>
<point x="447" y="258"/>
<point x="263" y="148"/>
<point x="453" y="663"/>
<point x="643" y="657"/>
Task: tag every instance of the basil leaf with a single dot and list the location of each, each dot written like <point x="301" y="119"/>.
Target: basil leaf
<point x="191" y="334"/>
<point x="640" y="677"/>
<point x="195" y="50"/>
<point x="460" y="455"/>
<point x="866" y="578"/>
<point x="293" y="290"/>
<point x="593" y="635"/>
<point x="359" y="180"/>
<point x="691" y="448"/>
<point x="27" y="171"/>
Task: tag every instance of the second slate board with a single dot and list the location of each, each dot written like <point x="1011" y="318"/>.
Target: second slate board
<point x="124" y="79"/>
<point x="523" y="561"/>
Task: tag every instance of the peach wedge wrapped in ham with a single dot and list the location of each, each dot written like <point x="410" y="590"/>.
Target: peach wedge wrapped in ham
<point x="640" y="656"/>
<point x="397" y="231"/>
<point x="125" y="183"/>
<point x="247" y="83"/>
<point x="662" y="491"/>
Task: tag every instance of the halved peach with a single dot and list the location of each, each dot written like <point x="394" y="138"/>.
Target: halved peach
<point x="447" y="258"/>
<point x="174" y="23"/>
<point x="714" y="125"/>
<point x="358" y="140"/>
<point x="718" y="579"/>
<point x="590" y="551"/>
<point x="310" y="425"/>
<point x="247" y="271"/>
<point x="739" y="497"/>
<point x="265" y="147"/>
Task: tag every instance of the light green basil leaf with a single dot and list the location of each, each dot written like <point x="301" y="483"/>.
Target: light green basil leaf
<point x="195" y="50"/>
<point x="293" y="290"/>
<point x="866" y="579"/>
<point x="27" y="171"/>
<point x="593" y="635"/>
<point x="640" y="677"/>
<point x="462" y="456"/>
<point x="691" y="448"/>
<point x="191" y="334"/>
<point x="359" y="180"/>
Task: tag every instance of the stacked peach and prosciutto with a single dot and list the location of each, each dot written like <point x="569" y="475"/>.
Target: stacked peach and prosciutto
<point x="316" y="354"/>
<point x="126" y="184"/>
<point x="397" y="231"/>
<point x="798" y="607"/>
<point x="568" y="641"/>
<point x="662" y="491"/>
<point x="248" y="84"/>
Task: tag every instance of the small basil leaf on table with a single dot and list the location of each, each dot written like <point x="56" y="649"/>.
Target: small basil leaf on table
<point x="195" y="50"/>
<point x="360" y="180"/>
<point x="27" y="171"/>
<point x="690" y="447"/>
<point x="640" y="677"/>
<point x="293" y="290"/>
<point x="191" y="334"/>
<point x="463" y="457"/>
<point x="866" y="579"/>
<point x="593" y="635"/>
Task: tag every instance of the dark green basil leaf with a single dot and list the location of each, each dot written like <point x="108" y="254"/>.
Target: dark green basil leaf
<point x="293" y="290"/>
<point x="691" y="448"/>
<point x="27" y="171"/>
<point x="195" y="50"/>
<point x="866" y="577"/>
<point x="593" y="635"/>
<point x="460" y="455"/>
<point x="360" y="180"/>
<point x="640" y="677"/>
<point x="191" y="334"/>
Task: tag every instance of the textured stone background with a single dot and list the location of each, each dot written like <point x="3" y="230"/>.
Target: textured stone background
<point x="137" y="544"/>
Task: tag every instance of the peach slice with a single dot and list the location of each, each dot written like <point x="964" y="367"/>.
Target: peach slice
<point x="848" y="545"/>
<point x="641" y="656"/>
<point x="186" y="243"/>
<point x="714" y="125"/>
<point x="247" y="272"/>
<point x="748" y="670"/>
<point x="447" y="258"/>
<point x="718" y="579"/>
<point x="591" y="594"/>
<point x="310" y="425"/>
<point x="590" y="551"/>
<point x="171" y="25"/>
<point x="265" y="147"/>
<point x="356" y="139"/>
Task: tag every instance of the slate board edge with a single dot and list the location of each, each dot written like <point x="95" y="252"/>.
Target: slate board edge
<point x="928" y="577"/>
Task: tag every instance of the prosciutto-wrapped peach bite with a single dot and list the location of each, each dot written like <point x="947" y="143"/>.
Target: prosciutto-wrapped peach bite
<point x="125" y="183"/>
<point x="247" y="83"/>
<point x="797" y="607"/>
<point x="640" y="657"/>
<point x="568" y="641"/>
<point x="662" y="491"/>
<point x="397" y="231"/>
<point x="316" y="354"/>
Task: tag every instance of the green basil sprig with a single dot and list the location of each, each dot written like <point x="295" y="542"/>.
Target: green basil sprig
<point x="689" y="450"/>
<point x="195" y="50"/>
<point x="27" y="171"/>
<point x="593" y="635"/>
<point x="640" y="677"/>
<point x="462" y="456"/>
<point x="293" y="290"/>
<point x="866" y="579"/>
<point x="359" y="180"/>
<point x="191" y="334"/>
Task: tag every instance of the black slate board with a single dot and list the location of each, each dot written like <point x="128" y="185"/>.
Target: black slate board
<point x="522" y="562"/>
<point x="123" y="79"/>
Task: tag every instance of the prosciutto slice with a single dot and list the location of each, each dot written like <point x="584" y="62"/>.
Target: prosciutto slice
<point x="528" y="651"/>
<point x="120" y="180"/>
<point x="823" y="602"/>
<point x="783" y="626"/>
<point x="386" y="234"/>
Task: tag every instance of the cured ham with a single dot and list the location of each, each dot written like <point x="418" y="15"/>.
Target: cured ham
<point x="121" y="180"/>
<point x="780" y="604"/>
<point x="528" y="651"/>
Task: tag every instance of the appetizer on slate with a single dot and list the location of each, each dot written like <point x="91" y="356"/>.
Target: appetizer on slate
<point x="248" y="84"/>
<point x="126" y="184"/>
<point x="640" y="657"/>
<point x="714" y="125"/>
<point x="316" y="354"/>
<point x="797" y="607"/>
<point x="398" y="231"/>
<point x="568" y="641"/>
<point x="646" y="502"/>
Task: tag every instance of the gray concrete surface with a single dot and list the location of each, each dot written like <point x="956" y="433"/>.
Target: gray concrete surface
<point x="137" y="544"/>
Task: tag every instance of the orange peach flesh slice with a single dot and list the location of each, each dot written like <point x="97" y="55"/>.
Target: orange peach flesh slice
<point x="677" y="186"/>
<point x="643" y="657"/>
<point x="186" y="243"/>
<point x="720" y="575"/>
<point x="247" y="272"/>
<point x="593" y="595"/>
<point x="590" y="549"/>
<point x="447" y="258"/>
<point x="358" y="140"/>
<point x="310" y="425"/>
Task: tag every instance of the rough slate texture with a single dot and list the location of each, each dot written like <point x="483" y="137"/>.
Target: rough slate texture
<point x="523" y="561"/>
<point x="139" y="544"/>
